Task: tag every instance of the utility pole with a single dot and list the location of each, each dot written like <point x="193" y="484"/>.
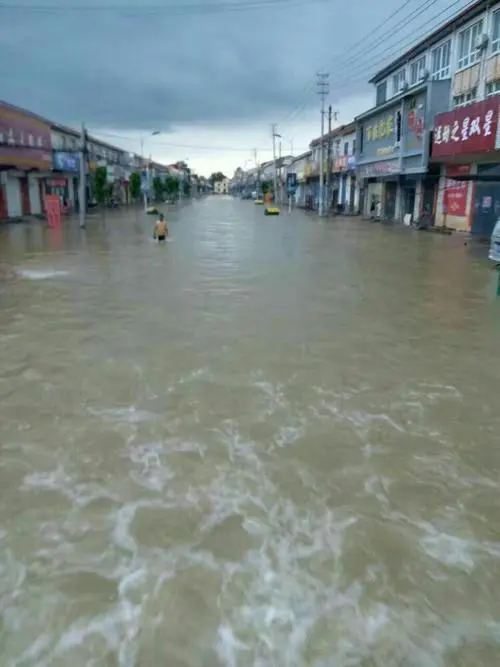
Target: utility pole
<point x="280" y="173"/>
<point x="257" y="174"/>
<point x="322" y="85"/>
<point x="82" y="189"/>
<point x="329" y="158"/>
<point x="275" y="135"/>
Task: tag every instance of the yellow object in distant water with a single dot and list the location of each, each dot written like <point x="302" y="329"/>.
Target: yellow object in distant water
<point x="259" y="201"/>
<point x="271" y="210"/>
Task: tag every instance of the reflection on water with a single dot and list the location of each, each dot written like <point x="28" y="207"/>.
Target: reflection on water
<point x="271" y="442"/>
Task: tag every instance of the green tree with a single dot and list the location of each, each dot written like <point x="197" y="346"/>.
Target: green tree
<point x="216" y="177"/>
<point x="158" y="188"/>
<point x="171" y="185"/>
<point x="186" y="188"/>
<point x="135" y="186"/>
<point x="101" y="187"/>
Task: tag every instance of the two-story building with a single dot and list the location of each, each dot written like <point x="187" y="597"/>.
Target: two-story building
<point x="344" y="188"/>
<point x="298" y="167"/>
<point x="429" y="144"/>
<point x="466" y="142"/>
<point x="339" y="169"/>
<point x="65" y="177"/>
<point x="221" y="187"/>
<point x="392" y="153"/>
<point x="25" y="158"/>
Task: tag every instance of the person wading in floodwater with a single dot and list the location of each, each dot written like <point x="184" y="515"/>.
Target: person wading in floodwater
<point x="161" y="230"/>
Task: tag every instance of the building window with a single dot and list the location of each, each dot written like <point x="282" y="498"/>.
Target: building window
<point x="381" y="93"/>
<point x="354" y="147"/>
<point x="465" y="98"/>
<point x="441" y="61"/>
<point x="397" y="82"/>
<point x="346" y="148"/>
<point x="398" y="126"/>
<point x="361" y="137"/>
<point x="495" y="35"/>
<point x="493" y="89"/>
<point x="417" y="70"/>
<point x="468" y="54"/>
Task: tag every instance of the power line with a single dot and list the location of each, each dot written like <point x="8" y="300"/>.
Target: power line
<point x="176" y="9"/>
<point x="169" y="144"/>
<point x="367" y="36"/>
<point x="409" y="40"/>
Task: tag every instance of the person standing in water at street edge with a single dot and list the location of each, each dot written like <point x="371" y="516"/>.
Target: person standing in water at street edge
<point x="161" y="229"/>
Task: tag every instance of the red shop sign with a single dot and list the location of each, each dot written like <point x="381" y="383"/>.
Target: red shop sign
<point x="466" y="130"/>
<point x="455" y="192"/>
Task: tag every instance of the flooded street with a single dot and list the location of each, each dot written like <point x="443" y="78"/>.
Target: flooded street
<point x="270" y="442"/>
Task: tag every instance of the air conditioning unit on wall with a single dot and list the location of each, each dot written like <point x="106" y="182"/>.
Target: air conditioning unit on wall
<point x="481" y="42"/>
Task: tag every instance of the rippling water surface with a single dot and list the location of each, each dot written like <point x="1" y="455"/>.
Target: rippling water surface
<point x="271" y="442"/>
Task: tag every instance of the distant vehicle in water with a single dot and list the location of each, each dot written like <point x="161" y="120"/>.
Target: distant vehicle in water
<point x="494" y="254"/>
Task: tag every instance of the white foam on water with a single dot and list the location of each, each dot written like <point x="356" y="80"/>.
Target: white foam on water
<point x="126" y="415"/>
<point x="41" y="274"/>
<point x="284" y="598"/>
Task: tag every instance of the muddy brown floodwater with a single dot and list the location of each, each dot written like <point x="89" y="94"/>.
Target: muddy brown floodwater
<point x="270" y="442"/>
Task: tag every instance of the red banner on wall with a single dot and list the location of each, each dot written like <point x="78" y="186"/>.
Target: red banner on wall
<point x="466" y="130"/>
<point x="455" y="192"/>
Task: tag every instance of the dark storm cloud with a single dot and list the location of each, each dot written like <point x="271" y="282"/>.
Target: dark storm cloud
<point x="137" y="69"/>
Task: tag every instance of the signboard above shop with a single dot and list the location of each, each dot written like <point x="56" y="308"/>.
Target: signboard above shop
<point x="379" y="135"/>
<point x="377" y="169"/>
<point x="466" y="130"/>
<point x="25" y="140"/>
<point x="66" y="161"/>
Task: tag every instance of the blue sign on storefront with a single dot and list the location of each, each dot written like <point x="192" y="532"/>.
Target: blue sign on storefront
<point x="291" y="182"/>
<point x="62" y="161"/>
<point x="145" y="181"/>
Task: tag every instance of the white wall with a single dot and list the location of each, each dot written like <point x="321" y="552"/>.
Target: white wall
<point x="13" y="197"/>
<point x="35" y="204"/>
<point x="486" y="16"/>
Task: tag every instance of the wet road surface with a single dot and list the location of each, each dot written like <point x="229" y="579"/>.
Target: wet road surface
<point x="271" y="442"/>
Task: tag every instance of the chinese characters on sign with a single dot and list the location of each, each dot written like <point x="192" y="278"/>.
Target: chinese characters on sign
<point x="25" y="140"/>
<point x="381" y="129"/>
<point x="470" y="129"/>
<point x="455" y="192"/>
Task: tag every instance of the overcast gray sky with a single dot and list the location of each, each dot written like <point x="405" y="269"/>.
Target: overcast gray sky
<point x="211" y="71"/>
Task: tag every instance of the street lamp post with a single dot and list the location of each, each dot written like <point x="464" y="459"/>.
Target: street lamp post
<point x="154" y="133"/>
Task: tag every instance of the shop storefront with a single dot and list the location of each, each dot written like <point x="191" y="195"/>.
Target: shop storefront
<point x="344" y="183"/>
<point x="380" y="188"/>
<point x="66" y="178"/>
<point x="59" y="186"/>
<point x="378" y="163"/>
<point x="466" y="148"/>
<point x="392" y="142"/>
<point x="25" y="155"/>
